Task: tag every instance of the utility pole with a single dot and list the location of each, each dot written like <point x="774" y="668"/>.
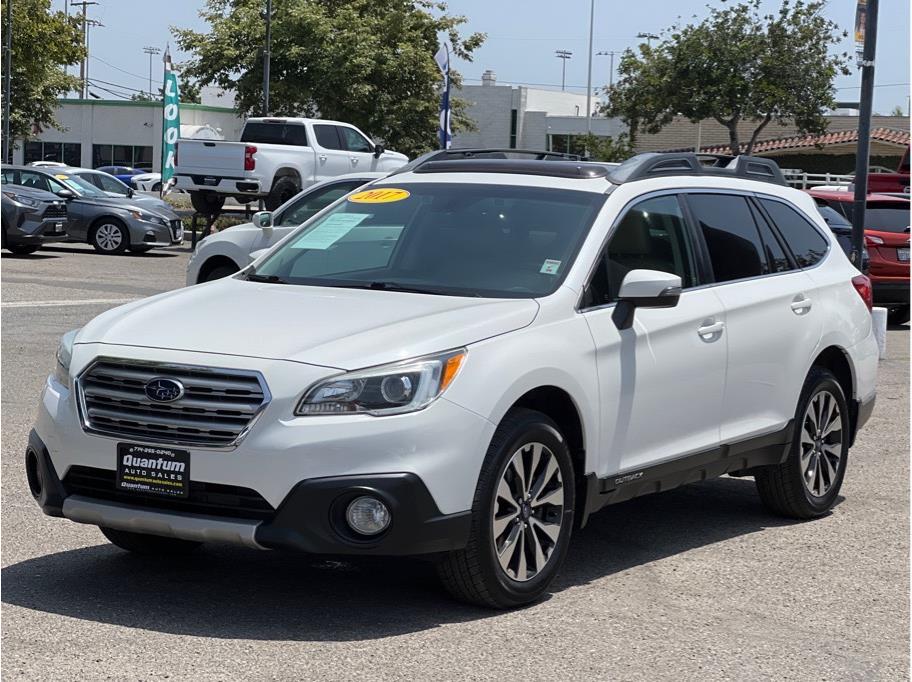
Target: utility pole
<point x="648" y="37"/>
<point x="609" y="54"/>
<point x="589" y="76"/>
<point x="864" y="130"/>
<point x="84" y="65"/>
<point x="151" y="51"/>
<point x="267" y="55"/>
<point x="7" y="79"/>
<point x="563" y="55"/>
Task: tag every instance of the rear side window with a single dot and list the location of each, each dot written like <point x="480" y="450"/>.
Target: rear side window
<point x="651" y="236"/>
<point x="806" y="243"/>
<point x="275" y="133"/>
<point x="776" y="258"/>
<point x="327" y="136"/>
<point x="735" y="248"/>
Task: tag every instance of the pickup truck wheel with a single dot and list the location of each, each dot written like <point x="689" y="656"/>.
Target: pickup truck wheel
<point x="282" y="190"/>
<point x="141" y="543"/>
<point x="522" y="516"/>
<point x="109" y="236"/>
<point x="807" y="483"/>
<point x="207" y="203"/>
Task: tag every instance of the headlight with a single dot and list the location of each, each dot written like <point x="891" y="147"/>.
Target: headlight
<point x="389" y="389"/>
<point x="20" y="198"/>
<point x="148" y="217"/>
<point x="64" y="355"/>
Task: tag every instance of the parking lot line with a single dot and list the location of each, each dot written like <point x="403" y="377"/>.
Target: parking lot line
<point x="54" y="304"/>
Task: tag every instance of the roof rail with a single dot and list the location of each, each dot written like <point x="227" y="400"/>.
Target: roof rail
<point x="654" y="164"/>
<point x="558" y="169"/>
<point x="485" y="153"/>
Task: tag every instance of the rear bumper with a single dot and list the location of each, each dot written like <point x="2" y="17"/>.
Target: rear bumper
<point x="219" y="184"/>
<point x="891" y="291"/>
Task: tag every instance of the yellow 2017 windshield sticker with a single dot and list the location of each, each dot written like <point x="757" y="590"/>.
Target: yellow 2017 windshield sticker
<point x="380" y="195"/>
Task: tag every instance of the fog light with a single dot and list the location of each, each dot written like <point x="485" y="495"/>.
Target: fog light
<point x="367" y="515"/>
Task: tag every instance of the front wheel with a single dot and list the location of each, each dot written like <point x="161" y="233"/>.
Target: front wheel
<point x="807" y="483"/>
<point x="899" y="315"/>
<point x="110" y="237"/>
<point x="522" y="516"/>
<point x="141" y="543"/>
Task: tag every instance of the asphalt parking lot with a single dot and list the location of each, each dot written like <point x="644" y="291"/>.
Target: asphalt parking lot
<point x="695" y="584"/>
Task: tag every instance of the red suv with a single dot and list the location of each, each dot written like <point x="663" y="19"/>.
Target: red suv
<point x="887" y="241"/>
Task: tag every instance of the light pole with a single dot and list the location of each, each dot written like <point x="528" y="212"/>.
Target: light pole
<point x="610" y="68"/>
<point x="151" y="51"/>
<point x="648" y="37"/>
<point x="563" y="55"/>
<point x="864" y="130"/>
<point x="589" y="73"/>
<point x="267" y="55"/>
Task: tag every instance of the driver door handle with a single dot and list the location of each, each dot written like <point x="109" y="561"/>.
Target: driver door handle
<point x="322" y="158"/>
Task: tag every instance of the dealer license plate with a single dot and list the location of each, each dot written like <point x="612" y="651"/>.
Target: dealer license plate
<point x="902" y="254"/>
<point x="153" y="470"/>
<point x="58" y="228"/>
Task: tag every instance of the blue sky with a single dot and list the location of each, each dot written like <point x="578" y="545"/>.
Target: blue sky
<point x="522" y="38"/>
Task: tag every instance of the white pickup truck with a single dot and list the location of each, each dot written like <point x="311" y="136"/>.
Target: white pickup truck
<point x="275" y="159"/>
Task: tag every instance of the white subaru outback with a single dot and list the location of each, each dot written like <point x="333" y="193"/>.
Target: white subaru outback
<point x="465" y="360"/>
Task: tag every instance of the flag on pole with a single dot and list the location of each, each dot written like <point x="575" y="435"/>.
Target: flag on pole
<point x="443" y="62"/>
<point x="170" y="123"/>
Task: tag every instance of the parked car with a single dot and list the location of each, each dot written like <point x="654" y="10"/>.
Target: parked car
<point x="122" y="173"/>
<point x="230" y="250"/>
<point x="842" y="228"/>
<point x="891" y="181"/>
<point x="275" y="159"/>
<point x="31" y="217"/>
<point x="887" y="241"/>
<point x="468" y="359"/>
<point x="109" y="224"/>
<point x="47" y="164"/>
<point x="146" y="182"/>
<point x="116" y="188"/>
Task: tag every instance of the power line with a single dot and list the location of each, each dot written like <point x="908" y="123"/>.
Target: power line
<point x="117" y="68"/>
<point x="117" y="85"/>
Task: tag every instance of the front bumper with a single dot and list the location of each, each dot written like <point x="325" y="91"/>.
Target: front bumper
<point x="155" y="234"/>
<point x="34" y="229"/>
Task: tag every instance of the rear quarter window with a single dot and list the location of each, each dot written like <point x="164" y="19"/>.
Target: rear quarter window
<point x="805" y="242"/>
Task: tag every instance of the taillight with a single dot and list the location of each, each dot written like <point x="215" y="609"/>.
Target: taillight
<point x="249" y="161"/>
<point x="863" y="286"/>
<point x="871" y="240"/>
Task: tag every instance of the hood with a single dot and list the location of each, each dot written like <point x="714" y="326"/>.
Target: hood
<point x="395" y="155"/>
<point x="342" y="328"/>
<point x="130" y="204"/>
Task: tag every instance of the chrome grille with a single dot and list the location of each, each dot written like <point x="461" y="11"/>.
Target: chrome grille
<point x="217" y="408"/>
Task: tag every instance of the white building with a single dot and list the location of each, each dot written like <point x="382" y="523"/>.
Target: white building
<point x="520" y="117"/>
<point x="118" y="133"/>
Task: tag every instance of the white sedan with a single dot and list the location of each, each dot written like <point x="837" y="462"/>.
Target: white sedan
<point x="147" y="182"/>
<point x="228" y="251"/>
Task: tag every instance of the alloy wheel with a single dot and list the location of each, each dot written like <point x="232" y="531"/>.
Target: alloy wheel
<point x="108" y="236"/>
<point x="528" y="512"/>
<point x="821" y="443"/>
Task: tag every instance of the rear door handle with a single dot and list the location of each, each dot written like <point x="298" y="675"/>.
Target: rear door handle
<point x="710" y="329"/>
<point x="354" y="160"/>
<point x="322" y="158"/>
<point x="801" y="304"/>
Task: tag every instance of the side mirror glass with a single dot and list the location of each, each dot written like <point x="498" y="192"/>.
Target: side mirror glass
<point x="263" y="219"/>
<point x="645" y="289"/>
<point x="378" y="151"/>
<point x="66" y="194"/>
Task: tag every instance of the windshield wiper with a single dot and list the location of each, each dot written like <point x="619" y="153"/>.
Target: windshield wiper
<point x="269" y="279"/>
<point x="395" y="286"/>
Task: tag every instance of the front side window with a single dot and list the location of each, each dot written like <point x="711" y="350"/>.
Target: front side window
<point x="460" y="239"/>
<point x="35" y="181"/>
<point x="731" y="236"/>
<point x="805" y="242"/>
<point x="354" y="141"/>
<point x="309" y="205"/>
<point x="651" y="236"/>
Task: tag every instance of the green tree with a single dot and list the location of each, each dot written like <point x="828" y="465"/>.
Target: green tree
<point x="189" y="92"/>
<point x="897" y="111"/>
<point x="43" y="42"/>
<point x="360" y="61"/>
<point x="736" y="65"/>
<point x="604" y="148"/>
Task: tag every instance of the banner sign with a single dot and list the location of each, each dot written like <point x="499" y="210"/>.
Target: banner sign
<point x="443" y="62"/>
<point x="170" y="123"/>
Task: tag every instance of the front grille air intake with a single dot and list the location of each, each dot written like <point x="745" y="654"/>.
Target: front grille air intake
<point x="217" y="407"/>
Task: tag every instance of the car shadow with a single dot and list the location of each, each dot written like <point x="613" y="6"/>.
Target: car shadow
<point x="27" y="256"/>
<point x="234" y="593"/>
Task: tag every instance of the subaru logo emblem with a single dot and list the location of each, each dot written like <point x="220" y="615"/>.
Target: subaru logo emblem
<point x="163" y="390"/>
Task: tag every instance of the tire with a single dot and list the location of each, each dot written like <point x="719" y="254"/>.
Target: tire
<point x="139" y="250"/>
<point x="898" y="316"/>
<point x="207" y="203"/>
<point x="218" y="273"/>
<point x="23" y="249"/>
<point x="110" y="237"/>
<point x="786" y="489"/>
<point x="475" y="574"/>
<point x="283" y="189"/>
<point x="157" y="187"/>
<point x="141" y="543"/>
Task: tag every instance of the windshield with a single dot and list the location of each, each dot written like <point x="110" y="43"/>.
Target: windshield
<point x="78" y="185"/>
<point x="456" y="239"/>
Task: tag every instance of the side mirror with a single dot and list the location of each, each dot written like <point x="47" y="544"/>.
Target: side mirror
<point x="263" y="219"/>
<point x="645" y="289"/>
<point x="378" y="151"/>
<point x="66" y="194"/>
<point x="130" y="192"/>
